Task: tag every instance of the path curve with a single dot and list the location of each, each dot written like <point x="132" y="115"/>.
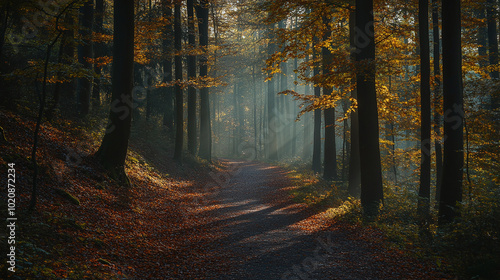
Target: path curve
<point x="262" y="245"/>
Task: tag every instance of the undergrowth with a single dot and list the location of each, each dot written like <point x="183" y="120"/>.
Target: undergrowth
<point x="469" y="247"/>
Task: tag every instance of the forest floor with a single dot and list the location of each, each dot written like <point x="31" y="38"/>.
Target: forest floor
<point x="226" y="220"/>
<point x="269" y="237"/>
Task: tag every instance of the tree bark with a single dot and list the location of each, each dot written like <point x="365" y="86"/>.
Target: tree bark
<point x="271" y="114"/>
<point x="330" y="151"/>
<point x="98" y="52"/>
<point x="491" y="14"/>
<point x="191" y="65"/>
<point x="437" y="96"/>
<point x="307" y="147"/>
<point x="4" y="19"/>
<point x="369" y="151"/>
<point x="205" y="125"/>
<point x="168" y="114"/>
<point x="85" y="52"/>
<point x="482" y="36"/>
<point x="492" y="36"/>
<point x="316" y="158"/>
<point x="113" y="149"/>
<point x="68" y="90"/>
<point x="451" y="189"/>
<point x="424" y="192"/>
<point x="179" y="108"/>
<point x="354" y="186"/>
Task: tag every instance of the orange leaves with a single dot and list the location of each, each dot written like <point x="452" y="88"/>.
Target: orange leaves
<point x="310" y="102"/>
<point x="101" y="61"/>
<point x="161" y="226"/>
<point x="198" y="82"/>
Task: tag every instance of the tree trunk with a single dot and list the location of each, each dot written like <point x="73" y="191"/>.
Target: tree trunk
<point x="241" y="119"/>
<point x="179" y="108"/>
<point x="424" y="192"/>
<point x="482" y="35"/>
<point x="68" y="90"/>
<point x="330" y="151"/>
<point x="271" y="117"/>
<point x="236" y="107"/>
<point x="451" y="189"/>
<point x="354" y="186"/>
<point x="316" y="158"/>
<point x="85" y="52"/>
<point x="491" y="14"/>
<point x="113" y="149"/>
<point x="5" y="96"/>
<point x="168" y="114"/>
<point x="4" y="20"/>
<point x="98" y="52"/>
<point x="346" y="146"/>
<point x="492" y="36"/>
<point x="52" y="106"/>
<point x="369" y="151"/>
<point x="191" y="65"/>
<point x="307" y="147"/>
<point x="148" y="74"/>
<point x="285" y="113"/>
<point x="295" y="111"/>
<point x="437" y="96"/>
<point x="254" y="90"/>
<point x="205" y="126"/>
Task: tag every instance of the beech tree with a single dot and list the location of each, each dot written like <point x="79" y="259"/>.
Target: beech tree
<point x="453" y="161"/>
<point x="437" y="95"/>
<point x="191" y="75"/>
<point x="168" y="34"/>
<point x="354" y="184"/>
<point x="330" y="159"/>
<point x="98" y="51"/>
<point x="425" y="110"/>
<point x="85" y="53"/>
<point x="316" y="157"/>
<point x="205" y="125"/>
<point x="179" y="98"/>
<point x="271" y="112"/>
<point x="369" y="151"/>
<point x="114" y="145"/>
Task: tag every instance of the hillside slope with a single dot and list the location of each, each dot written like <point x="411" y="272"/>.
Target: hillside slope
<point x="88" y="227"/>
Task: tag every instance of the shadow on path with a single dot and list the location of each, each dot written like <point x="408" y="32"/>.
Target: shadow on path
<point x="261" y="245"/>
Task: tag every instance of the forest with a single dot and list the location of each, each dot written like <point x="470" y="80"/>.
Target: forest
<point x="257" y="139"/>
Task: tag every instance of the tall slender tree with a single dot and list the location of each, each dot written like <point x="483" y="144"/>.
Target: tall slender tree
<point x="424" y="192"/>
<point x="453" y="162"/>
<point x="191" y="69"/>
<point x="272" y="140"/>
<point x="354" y="185"/>
<point x="307" y="147"/>
<point x="179" y="98"/>
<point x="316" y="157"/>
<point x="85" y="53"/>
<point x="205" y="125"/>
<point x="369" y="151"/>
<point x="482" y="36"/>
<point x="437" y="95"/>
<point x="168" y="34"/>
<point x="99" y="51"/>
<point x="113" y="149"/>
<point x="491" y="16"/>
<point x="330" y="151"/>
